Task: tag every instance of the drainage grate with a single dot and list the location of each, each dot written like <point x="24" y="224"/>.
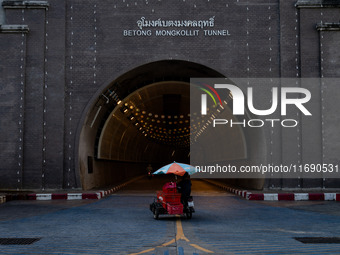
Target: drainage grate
<point x="18" y="241"/>
<point x="318" y="239"/>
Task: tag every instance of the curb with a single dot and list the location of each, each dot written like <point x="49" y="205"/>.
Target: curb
<point x="278" y="196"/>
<point x="66" y="196"/>
<point x="2" y="199"/>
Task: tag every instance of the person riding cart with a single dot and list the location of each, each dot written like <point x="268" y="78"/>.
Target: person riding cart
<point x="184" y="187"/>
<point x="174" y="198"/>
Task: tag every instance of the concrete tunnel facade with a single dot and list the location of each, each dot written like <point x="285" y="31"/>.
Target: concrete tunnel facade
<point x="65" y="65"/>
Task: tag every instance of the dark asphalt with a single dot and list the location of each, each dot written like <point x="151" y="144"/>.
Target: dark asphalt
<point x="123" y="224"/>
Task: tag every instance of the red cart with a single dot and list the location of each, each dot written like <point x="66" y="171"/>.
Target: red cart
<point x="168" y="201"/>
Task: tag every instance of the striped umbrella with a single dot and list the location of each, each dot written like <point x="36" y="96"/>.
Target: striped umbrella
<point x="177" y="169"/>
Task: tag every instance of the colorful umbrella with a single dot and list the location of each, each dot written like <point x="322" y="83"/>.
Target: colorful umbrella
<point x="177" y="169"/>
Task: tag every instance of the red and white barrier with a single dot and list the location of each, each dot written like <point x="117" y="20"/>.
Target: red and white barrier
<point x="67" y="196"/>
<point x="279" y="196"/>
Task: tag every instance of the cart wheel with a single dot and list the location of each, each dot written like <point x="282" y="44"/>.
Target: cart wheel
<point x="189" y="214"/>
<point x="156" y="214"/>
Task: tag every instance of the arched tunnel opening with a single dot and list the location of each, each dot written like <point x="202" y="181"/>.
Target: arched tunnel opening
<point x="143" y="117"/>
<point x="151" y="125"/>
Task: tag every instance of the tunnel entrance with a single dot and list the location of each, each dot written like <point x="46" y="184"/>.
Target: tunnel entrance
<point x="143" y="117"/>
<point x="152" y="124"/>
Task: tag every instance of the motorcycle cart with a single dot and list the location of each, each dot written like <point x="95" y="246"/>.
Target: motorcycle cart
<point x="168" y="201"/>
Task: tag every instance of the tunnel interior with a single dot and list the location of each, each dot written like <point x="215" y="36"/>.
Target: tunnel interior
<point x="152" y="124"/>
<point x="143" y="117"/>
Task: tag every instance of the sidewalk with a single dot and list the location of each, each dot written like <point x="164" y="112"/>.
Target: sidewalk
<point x="55" y="195"/>
<point x="278" y="195"/>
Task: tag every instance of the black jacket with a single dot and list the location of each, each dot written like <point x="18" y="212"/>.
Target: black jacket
<point x="184" y="187"/>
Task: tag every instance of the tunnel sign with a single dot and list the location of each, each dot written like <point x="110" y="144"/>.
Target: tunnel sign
<point x="175" y="28"/>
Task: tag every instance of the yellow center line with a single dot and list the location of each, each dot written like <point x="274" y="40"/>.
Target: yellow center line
<point x="145" y="251"/>
<point x="179" y="236"/>
<point x="180" y="233"/>
<point x="200" y="248"/>
<point x="168" y="243"/>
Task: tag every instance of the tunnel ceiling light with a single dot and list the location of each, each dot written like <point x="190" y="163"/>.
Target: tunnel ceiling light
<point x="155" y="129"/>
<point x="124" y="109"/>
